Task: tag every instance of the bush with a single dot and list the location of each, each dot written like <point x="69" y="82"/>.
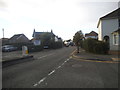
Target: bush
<point x="33" y="48"/>
<point x="95" y="46"/>
<point x="56" y="45"/>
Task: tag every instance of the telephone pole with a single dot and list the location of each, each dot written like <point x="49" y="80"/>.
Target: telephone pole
<point x="3" y="32"/>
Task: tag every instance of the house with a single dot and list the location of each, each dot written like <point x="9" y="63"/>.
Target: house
<point x="115" y="42"/>
<point x="38" y="36"/>
<point x="4" y="41"/>
<point x="108" y="29"/>
<point x="18" y="38"/>
<point x="92" y="34"/>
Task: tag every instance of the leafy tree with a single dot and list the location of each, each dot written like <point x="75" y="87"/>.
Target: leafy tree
<point x="77" y="39"/>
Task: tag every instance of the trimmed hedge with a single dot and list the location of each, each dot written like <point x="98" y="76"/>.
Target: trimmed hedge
<point x="55" y="45"/>
<point x="95" y="46"/>
<point x="33" y="48"/>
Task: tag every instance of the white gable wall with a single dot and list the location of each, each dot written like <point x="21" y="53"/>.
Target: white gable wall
<point x="100" y="31"/>
<point x="109" y="26"/>
<point x="106" y="27"/>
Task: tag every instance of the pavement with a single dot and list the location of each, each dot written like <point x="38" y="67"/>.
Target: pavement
<point x="95" y="57"/>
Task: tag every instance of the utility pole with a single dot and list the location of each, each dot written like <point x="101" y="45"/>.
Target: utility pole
<point x="119" y="4"/>
<point x="3" y="32"/>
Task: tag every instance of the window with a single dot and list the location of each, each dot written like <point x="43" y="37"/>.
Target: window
<point x="119" y="23"/>
<point x="115" y="39"/>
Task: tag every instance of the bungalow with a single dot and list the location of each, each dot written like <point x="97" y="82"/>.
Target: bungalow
<point x="18" y="38"/>
<point x="109" y="28"/>
<point x="92" y="34"/>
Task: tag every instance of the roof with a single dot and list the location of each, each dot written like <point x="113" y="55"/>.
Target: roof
<point x="92" y="33"/>
<point x="37" y="34"/>
<point x="16" y="36"/>
<point x="113" y="15"/>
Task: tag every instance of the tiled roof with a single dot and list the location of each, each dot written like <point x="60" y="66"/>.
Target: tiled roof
<point x="16" y="36"/>
<point x="113" y="14"/>
<point x="92" y="33"/>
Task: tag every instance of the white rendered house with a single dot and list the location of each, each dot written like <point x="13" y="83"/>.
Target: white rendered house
<point x="108" y="29"/>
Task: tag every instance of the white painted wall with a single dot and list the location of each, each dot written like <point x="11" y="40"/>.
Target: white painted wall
<point x="106" y="27"/>
<point x="100" y="31"/>
<point x="109" y="26"/>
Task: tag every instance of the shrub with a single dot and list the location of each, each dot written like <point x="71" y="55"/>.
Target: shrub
<point x="56" y="45"/>
<point x="33" y="48"/>
<point x="95" y="46"/>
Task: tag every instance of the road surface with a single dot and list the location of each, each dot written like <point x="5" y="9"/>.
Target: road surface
<point x="57" y="69"/>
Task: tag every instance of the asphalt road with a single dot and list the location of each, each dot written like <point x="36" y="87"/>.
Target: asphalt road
<point x="57" y="69"/>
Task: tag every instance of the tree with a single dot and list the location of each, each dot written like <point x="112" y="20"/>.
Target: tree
<point x="77" y="39"/>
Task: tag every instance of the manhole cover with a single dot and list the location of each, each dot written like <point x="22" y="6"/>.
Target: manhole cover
<point x="76" y="65"/>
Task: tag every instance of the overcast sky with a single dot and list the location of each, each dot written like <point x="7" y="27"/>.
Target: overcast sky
<point x="64" y="17"/>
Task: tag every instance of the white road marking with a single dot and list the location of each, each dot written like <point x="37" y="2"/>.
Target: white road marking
<point x="41" y="80"/>
<point x="45" y="56"/>
<point x="68" y="59"/>
<point x="51" y="72"/>
<point x="58" y="67"/>
<point x="35" y="85"/>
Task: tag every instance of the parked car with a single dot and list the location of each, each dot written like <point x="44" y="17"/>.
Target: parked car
<point x="8" y="48"/>
<point x="46" y="47"/>
<point x="67" y="44"/>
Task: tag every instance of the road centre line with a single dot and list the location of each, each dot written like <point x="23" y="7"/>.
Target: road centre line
<point x="41" y="80"/>
<point x="36" y="84"/>
<point x="45" y="56"/>
<point x="53" y="71"/>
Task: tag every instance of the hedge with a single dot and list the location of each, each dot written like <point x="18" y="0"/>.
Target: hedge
<point x="33" y="48"/>
<point x="95" y="46"/>
<point x="55" y="45"/>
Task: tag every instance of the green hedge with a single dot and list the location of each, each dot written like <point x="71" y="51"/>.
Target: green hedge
<point x="33" y="48"/>
<point x="55" y="45"/>
<point x="95" y="46"/>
